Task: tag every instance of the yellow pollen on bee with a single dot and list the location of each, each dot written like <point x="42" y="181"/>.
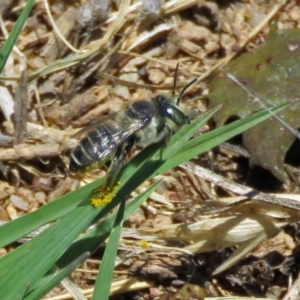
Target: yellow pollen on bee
<point x="100" y="198"/>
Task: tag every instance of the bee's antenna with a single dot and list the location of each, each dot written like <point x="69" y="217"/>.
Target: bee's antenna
<point x="175" y="79"/>
<point x="184" y="89"/>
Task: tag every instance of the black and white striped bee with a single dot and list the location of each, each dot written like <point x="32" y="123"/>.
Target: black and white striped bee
<point x="142" y="123"/>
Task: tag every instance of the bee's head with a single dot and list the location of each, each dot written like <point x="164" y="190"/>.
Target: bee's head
<point x="168" y="107"/>
<point x="184" y="89"/>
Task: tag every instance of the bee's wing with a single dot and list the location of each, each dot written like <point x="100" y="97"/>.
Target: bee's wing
<point x="84" y="131"/>
<point x="122" y="132"/>
<point x="127" y="128"/>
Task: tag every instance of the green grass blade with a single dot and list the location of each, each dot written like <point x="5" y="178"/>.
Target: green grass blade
<point x="106" y="271"/>
<point x="45" y="249"/>
<point x="13" y="36"/>
<point x="18" y="228"/>
<point x="48" y="282"/>
<point x="236" y="127"/>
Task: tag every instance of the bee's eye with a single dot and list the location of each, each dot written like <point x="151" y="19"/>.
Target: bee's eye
<point x="170" y="111"/>
<point x="176" y="115"/>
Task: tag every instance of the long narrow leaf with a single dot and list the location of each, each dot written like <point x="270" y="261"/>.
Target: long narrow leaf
<point x="11" y="40"/>
<point x="46" y="248"/>
<point x="106" y="271"/>
<point x="12" y="231"/>
<point x="50" y="281"/>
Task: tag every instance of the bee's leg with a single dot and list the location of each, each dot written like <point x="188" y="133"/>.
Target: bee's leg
<point x="114" y="168"/>
<point x="164" y="134"/>
<point x="104" y="194"/>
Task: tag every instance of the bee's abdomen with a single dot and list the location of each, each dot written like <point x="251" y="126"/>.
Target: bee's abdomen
<point x="98" y="144"/>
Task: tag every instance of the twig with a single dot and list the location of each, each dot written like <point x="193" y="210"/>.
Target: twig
<point x="20" y="118"/>
<point x="248" y="193"/>
<point x="39" y="107"/>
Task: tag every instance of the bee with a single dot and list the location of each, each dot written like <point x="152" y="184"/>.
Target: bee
<point x="142" y="123"/>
